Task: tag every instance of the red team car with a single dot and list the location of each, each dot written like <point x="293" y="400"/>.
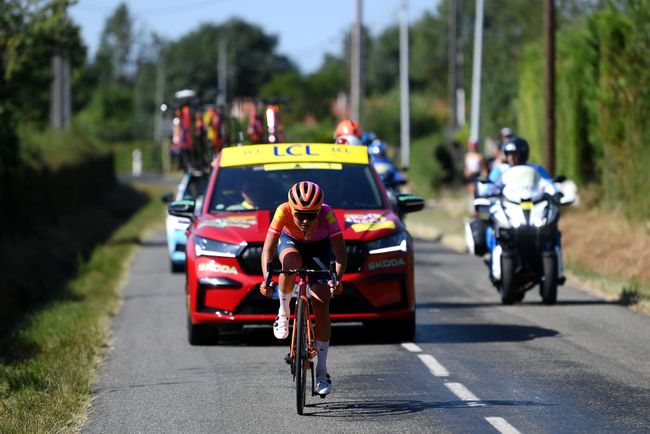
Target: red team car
<point x="224" y="245"/>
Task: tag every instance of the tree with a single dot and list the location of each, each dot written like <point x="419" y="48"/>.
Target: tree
<point x="30" y="34"/>
<point x="114" y="55"/>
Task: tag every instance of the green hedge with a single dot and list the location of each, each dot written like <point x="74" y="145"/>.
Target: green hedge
<point x="603" y="103"/>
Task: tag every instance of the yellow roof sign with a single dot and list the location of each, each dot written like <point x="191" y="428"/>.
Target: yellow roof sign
<point x="292" y="153"/>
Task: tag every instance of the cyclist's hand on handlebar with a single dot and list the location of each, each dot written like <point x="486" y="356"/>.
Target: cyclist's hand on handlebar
<point x="336" y="288"/>
<point x="267" y="291"/>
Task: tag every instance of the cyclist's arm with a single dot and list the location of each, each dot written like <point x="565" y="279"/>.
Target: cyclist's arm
<point x="268" y="250"/>
<point x="340" y="255"/>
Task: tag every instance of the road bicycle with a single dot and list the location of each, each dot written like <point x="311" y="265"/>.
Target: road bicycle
<point x="303" y="347"/>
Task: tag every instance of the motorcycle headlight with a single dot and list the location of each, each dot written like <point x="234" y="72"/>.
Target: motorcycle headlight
<point x="393" y="243"/>
<point x="208" y="247"/>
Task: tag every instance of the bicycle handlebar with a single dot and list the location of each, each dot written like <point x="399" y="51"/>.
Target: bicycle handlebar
<point x="301" y="272"/>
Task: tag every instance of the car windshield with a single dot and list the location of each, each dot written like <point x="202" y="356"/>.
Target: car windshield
<point x="349" y="186"/>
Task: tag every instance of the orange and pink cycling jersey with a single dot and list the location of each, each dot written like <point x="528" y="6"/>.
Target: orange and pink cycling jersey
<point x="325" y="226"/>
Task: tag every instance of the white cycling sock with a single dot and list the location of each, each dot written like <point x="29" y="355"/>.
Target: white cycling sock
<point x="323" y="348"/>
<point x="285" y="303"/>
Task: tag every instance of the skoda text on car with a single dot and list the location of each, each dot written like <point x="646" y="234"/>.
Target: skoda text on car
<point x="225" y="241"/>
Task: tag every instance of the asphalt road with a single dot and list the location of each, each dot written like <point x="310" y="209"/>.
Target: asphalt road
<point x="475" y="366"/>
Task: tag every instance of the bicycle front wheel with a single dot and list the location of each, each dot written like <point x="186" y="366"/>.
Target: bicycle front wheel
<point x="302" y="357"/>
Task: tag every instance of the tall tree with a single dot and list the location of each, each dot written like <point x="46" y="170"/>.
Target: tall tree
<point x="114" y="58"/>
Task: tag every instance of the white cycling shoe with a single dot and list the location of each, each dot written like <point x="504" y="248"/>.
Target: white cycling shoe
<point x="323" y="385"/>
<point x="281" y="326"/>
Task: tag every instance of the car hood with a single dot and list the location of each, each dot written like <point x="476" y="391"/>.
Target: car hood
<point x="251" y="227"/>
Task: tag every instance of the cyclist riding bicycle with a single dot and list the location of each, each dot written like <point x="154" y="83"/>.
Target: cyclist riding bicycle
<point x="304" y="228"/>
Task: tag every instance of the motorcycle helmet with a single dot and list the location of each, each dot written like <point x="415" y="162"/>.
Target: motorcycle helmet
<point x="519" y="146"/>
<point x="368" y="137"/>
<point x="377" y="149"/>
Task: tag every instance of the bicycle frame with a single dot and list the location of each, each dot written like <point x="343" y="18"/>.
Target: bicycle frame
<point x="299" y="359"/>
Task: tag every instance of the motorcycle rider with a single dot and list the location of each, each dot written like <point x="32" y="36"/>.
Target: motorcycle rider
<point x="516" y="152"/>
<point x="387" y="170"/>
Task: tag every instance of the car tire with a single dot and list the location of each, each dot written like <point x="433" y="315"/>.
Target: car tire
<point x="201" y="334"/>
<point x="393" y="330"/>
<point x="176" y="268"/>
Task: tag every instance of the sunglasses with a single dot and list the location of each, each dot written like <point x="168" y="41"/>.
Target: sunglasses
<point x="305" y="215"/>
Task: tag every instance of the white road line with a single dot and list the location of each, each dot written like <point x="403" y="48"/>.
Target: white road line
<point x="461" y="391"/>
<point x="434" y="367"/>
<point x="464" y="394"/>
<point x="410" y="346"/>
<point x="502" y="425"/>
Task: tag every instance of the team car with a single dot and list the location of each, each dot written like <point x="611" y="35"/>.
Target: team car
<point x="225" y="239"/>
<point x="191" y="186"/>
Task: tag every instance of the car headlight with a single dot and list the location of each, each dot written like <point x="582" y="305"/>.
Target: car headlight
<point x="208" y="247"/>
<point x="393" y="243"/>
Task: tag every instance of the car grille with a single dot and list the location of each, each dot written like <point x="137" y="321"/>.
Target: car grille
<point x="250" y="258"/>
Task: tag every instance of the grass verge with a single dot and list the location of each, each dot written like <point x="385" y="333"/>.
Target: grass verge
<point x="48" y="363"/>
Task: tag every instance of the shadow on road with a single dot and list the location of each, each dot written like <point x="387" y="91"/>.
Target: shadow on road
<point x="342" y="334"/>
<point x="476" y="333"/>
<point x="387" y="407"/>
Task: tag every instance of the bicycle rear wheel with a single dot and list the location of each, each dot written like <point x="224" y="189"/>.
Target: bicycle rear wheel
<point x="302" y="358"/>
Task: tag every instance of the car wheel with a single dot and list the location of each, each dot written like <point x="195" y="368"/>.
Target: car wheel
<point x="393" y="330"/>
<point x="201" y="334"/>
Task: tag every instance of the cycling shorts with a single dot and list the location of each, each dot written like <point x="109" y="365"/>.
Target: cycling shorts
<point x="321" y="249"/>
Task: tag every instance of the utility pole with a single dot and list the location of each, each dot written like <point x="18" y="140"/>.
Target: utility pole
<point x="160" y="112"/>
<point x="549" y="88"/>
<point x="475" y="122"/>
<point x="60" y="95"/>
<point x="452" y="69"/>
<point x="222" y="70"/>
<point x="355" y="66"/>
<point x="405" y="116"/>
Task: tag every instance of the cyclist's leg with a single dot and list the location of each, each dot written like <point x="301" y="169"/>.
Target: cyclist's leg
<point x="288" y="252"/>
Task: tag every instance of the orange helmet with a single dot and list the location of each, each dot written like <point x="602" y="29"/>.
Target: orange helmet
<point x="305" y="196"/>
<point x="347" y="127"/>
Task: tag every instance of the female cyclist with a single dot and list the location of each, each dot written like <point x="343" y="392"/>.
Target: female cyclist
<point x="303" y="228"/>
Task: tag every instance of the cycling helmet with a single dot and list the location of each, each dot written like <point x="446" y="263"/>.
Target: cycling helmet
<point x="348" y="139"/>
<point x="377" y="149"/>
<point x="518" y="145"/>
<point x="348" y="127"/>
<point x="305" y="196"/>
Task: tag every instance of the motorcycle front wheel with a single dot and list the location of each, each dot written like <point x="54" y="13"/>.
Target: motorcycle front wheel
<point x="508" y="288"/>
<point x="548" y="285"/>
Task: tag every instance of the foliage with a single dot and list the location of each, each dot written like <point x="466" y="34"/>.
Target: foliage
<point x="48" y="364"/>
<point x="30" y="34"/>
<point x="602" y="94"/>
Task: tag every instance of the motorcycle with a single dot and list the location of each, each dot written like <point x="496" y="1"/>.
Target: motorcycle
<point x="518" y="225"/>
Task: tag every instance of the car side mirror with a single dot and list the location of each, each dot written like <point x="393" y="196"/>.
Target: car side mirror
<point x="167" y="197"/>
<point x="407" y="203"/>
<point x="182" y="208"/>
